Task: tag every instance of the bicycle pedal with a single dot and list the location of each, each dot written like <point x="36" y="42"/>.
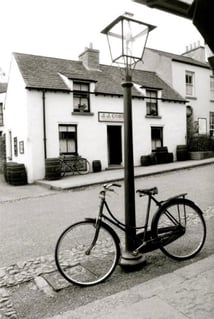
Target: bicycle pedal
<point x="135" y="253"/>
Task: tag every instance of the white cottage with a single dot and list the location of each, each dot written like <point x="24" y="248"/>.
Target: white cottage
<point x="190" y="75"/>
<point x="56" y="106"/>
<point x="3" y="89"/>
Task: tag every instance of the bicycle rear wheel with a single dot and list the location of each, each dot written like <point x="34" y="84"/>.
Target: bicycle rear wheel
<point x="180" y="228"/>
<point x="75" y="263"/>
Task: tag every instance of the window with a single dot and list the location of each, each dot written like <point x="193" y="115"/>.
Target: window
<point x="68" y="139"/>
<point x="81" y="97"/>
<point x="1" y="114"/>
<point x="212" y="88"/>
<point x="211" y="123"/>
<point x="15" y="146"/>
<point x="189" y="80"/>
<point x="157" y="137"/>
<point x="151" y="103"/>
<point x="202" y="126"/>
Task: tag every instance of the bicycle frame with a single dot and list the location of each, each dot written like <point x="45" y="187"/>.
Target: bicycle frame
<point x="147" y="241"/>
<point x="74" y="164"/>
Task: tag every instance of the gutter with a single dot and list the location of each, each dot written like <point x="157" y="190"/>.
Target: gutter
<point x="44" y="124"/>
<point x="180" y="8"/>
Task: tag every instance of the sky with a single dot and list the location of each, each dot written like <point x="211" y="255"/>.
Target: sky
<point x="63" y="28"/>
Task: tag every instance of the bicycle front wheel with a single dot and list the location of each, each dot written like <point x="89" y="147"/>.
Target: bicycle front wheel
<point x="62" y="168"/>
<point x="180" y="229"/>
<point x="76" y="263"/>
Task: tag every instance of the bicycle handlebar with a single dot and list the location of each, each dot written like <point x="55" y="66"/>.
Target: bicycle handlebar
<point x="108" y="186"/>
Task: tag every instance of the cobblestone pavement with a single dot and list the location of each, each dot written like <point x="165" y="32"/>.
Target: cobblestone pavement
<point x="25" y="271"/>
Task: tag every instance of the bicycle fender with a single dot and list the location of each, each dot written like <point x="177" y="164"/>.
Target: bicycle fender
<point x="169" y="202"/>
<point x="106" y="226"/>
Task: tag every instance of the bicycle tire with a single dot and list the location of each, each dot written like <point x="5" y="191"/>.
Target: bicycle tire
<point x="72" y="260"/>
<point x="187" y="237"/>
<point x="62" y="169"/>
<point x="82" y="166"/>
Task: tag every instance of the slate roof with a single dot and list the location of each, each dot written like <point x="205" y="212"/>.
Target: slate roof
<point x="41" y="72"/>
<point x="3" y="87"/>
<point x="182" y="58"/>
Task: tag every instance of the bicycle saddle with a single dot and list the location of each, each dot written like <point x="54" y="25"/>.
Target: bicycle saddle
<point x="148" y="191"/>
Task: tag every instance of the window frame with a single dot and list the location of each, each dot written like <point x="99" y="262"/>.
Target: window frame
<point x="152" y="103"/>
<point x="190" y="83"/>
<point x="1" y="115"/>
<point x="211" y="124"/>
<point x="212" y="88"/>
<point x="74" y="130"/>
<point x="81" y="94"/>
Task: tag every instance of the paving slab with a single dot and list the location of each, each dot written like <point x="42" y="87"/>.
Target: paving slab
<point x="169" y="296"/>
<point x="77" y="181"/>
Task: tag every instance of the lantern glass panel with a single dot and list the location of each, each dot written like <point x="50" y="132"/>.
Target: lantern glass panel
<point x="127" y="40"/>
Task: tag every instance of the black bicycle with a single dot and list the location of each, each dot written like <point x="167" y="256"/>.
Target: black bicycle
<point x="87" y="252"/>
<point x="74" y="164"/>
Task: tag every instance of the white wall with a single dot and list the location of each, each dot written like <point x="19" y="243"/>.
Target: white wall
<point x="172" y="119"/>
<point x="200" y="102"/>
<point x="92" y="134"/>
<point x="24" y="110"/>
<point x="15" y="115"/>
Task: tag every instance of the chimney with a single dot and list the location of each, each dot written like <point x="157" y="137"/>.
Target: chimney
<point x="196" y="51"/>
<point x="90" y="58"/>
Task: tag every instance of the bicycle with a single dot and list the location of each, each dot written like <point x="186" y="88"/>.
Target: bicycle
<point x="74" y="164"/>
<point x="88" y="251"/>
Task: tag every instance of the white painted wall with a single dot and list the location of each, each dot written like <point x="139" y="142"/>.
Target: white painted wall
<point x="173" y="72"/>
<point x="15" y="115"/>
<point x="24" y="110"/>
<point x="201" y="101"/>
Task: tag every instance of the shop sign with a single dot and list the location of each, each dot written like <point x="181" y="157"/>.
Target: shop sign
<point x="110" y="117"/>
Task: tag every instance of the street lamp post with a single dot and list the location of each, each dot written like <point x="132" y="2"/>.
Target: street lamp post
<point x="127" y="38"/>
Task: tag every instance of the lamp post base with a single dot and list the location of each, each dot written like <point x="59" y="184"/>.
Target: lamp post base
<point x="130" y="262"/>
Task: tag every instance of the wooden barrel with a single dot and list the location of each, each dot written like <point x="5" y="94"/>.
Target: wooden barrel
<point x="15" y="174"/>
<point x="5" y="172"/>
<point x="52" y="168"/>
<point x="153" y="158"/>
<point x="145" y="160"/>
<point x="162" y="154"/>
<point x="182" y="153"/>
<point x="96" y="166"/>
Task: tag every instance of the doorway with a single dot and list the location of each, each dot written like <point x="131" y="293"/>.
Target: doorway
<point x="157" y="137"/>
<point x="114" y="145"/>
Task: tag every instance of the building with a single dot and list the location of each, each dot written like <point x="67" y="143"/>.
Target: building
<point x="191" y="76"/>
<point x="3" y="89"/>
<point x="56" y="106"/>
<point x="178" y="7"/>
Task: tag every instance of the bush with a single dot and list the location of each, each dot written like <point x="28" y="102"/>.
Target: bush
<point x="201" y="143"/>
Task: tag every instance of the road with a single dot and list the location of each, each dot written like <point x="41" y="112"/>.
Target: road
<point x="30" y="227"/>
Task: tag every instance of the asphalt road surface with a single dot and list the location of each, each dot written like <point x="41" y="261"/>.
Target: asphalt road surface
<point x="30" y="227"/>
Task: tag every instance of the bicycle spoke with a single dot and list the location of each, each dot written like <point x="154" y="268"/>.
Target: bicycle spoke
<point x="73" y="260"/>
<point x="188" y="229"/>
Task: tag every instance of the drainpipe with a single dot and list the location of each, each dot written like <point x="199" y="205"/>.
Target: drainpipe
<point x="44" y="124"/>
